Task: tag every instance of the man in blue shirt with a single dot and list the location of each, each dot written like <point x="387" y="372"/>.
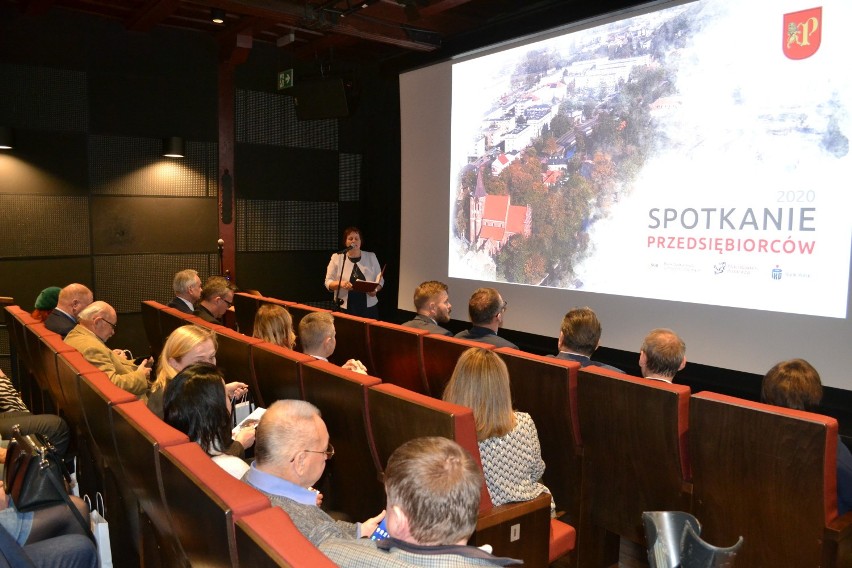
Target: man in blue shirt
<point x="291" y="448"/>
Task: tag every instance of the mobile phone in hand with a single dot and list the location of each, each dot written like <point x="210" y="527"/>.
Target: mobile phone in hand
<point x="381" y="530"/>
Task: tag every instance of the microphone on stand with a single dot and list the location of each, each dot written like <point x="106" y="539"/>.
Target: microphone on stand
<point x="338" y="301"/>
<point x="221" y="244"/>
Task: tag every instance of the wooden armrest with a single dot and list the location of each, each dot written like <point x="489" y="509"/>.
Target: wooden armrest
<point x="839" y="529"/>
<point x="517" y="530"/>
<point x="509" y="511"/>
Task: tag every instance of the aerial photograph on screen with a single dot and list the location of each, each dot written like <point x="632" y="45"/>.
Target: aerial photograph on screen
<point x="697" y="153"/>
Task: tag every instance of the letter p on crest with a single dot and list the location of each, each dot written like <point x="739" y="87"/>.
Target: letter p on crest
<point x="802" y="33"/>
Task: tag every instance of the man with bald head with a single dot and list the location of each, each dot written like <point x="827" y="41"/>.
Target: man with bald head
<point x="291" y="448"/>
<point x="663" y="354"/>
<point x="97" y="324"/>
<point x="72" y="299"/>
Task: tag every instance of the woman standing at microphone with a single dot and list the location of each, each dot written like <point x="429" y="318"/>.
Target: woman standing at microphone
<point x="356" y="265"/>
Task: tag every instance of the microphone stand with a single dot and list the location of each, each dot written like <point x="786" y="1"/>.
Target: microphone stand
<point x="338" y="301"/>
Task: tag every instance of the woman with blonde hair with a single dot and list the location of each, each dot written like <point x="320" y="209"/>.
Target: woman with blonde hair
<point x="508" y="439"/>
<point x="186" y="345"/>
<point x="272" y="323"/>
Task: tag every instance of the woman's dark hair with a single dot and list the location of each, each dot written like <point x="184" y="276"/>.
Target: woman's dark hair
<point x="194" y="403"/>
<point x="349" y="230"/>
<point x="792" y="384"/>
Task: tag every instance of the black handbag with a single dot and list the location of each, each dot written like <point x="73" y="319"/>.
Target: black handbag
<point x="35" y="476"/>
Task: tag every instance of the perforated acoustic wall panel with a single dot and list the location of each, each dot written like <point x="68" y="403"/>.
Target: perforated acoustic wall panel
<point x="40" y="225"/>
<point x="270" y="118"/>
<point x="121" y="165"/>
<point x="270" y="226"/>
<point x="350" y="177"/>
<point x="125" y="280"/>
<point x="43" y="98"/>
<point x="5" y="350"/>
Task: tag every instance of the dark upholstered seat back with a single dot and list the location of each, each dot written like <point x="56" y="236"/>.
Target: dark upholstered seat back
<point x="440" y="355"/>
<point x="151" y="322"/>
<point x="398" y="355"/>
<point x="546" y="389"/>
<point x="353" y="341"/>
<point x="278" y="372"/>
<point x="352" y="473"/>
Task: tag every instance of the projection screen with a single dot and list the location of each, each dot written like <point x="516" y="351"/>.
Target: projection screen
<point x="681" y="165"/>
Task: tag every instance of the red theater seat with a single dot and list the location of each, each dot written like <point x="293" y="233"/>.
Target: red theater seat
<point x="634" y="458"/>
<point x="398" y="355"/>
<point x="398" y="415"/>
<point x="278" y="372"/>
<point x="352" y="474"/>
<point x="767" y="474"/>
<point x="204" y="501"/>
<point x="440" y="355"/>
<point x="546" y="389"/>
<point x="151" y="322"/>
<point x="269" y="538"/>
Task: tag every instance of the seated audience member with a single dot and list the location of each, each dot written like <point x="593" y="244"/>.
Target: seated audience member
<point x="186" y="345"/>
<point x="796" y="384"/>
<point x="187" y="287"/>
<point x="13" y="412"/>
<point x="217" y="297"/>
<point x="48" y="522"/>
<point x="66" y="551"/>
<point x="97" y="324"/>
<point x="508" y="439"/>
<point x="196" y="403"/>
<point x="433" y="492"/>
<point x="273" y="324"/>
<point x="45" y="303"/>
<point x="663" y="354"/>
<point x="72" y="300"/>
<point x="318" y="339"/>
<point x="486" y="309"/>
<point x="432" y="303"/>
<point x="579" y="336"/>
<point x="292" y="448"/>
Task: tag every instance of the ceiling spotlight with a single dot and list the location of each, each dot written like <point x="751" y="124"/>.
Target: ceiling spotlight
<point x="286" y="39"/>
<point x="7" y="138"/>
<point x="173" y="147"/>
<point x="217" y="15"/>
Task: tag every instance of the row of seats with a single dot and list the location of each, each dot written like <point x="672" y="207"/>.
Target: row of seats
<point x="167" y="502"/>
<point x="743" y="468"/>
<point x="616" y="446"/>
<point x="367" y="419"/>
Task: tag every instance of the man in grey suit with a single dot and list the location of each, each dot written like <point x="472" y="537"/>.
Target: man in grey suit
<point x="433" y="306"/>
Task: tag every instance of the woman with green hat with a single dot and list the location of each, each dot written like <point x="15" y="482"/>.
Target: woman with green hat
<point x="45" y="303"/>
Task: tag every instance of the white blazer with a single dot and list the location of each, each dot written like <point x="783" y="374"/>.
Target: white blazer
<point x="369" y="266"/>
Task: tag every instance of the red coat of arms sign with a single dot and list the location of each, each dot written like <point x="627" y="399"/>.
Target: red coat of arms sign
<point x="802" y="33"/>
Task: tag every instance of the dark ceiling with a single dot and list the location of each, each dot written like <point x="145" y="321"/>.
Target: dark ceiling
<point x="362" y="31"/>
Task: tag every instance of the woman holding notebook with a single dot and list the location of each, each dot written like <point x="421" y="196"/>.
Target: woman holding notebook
<point x="355" y="277"/>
